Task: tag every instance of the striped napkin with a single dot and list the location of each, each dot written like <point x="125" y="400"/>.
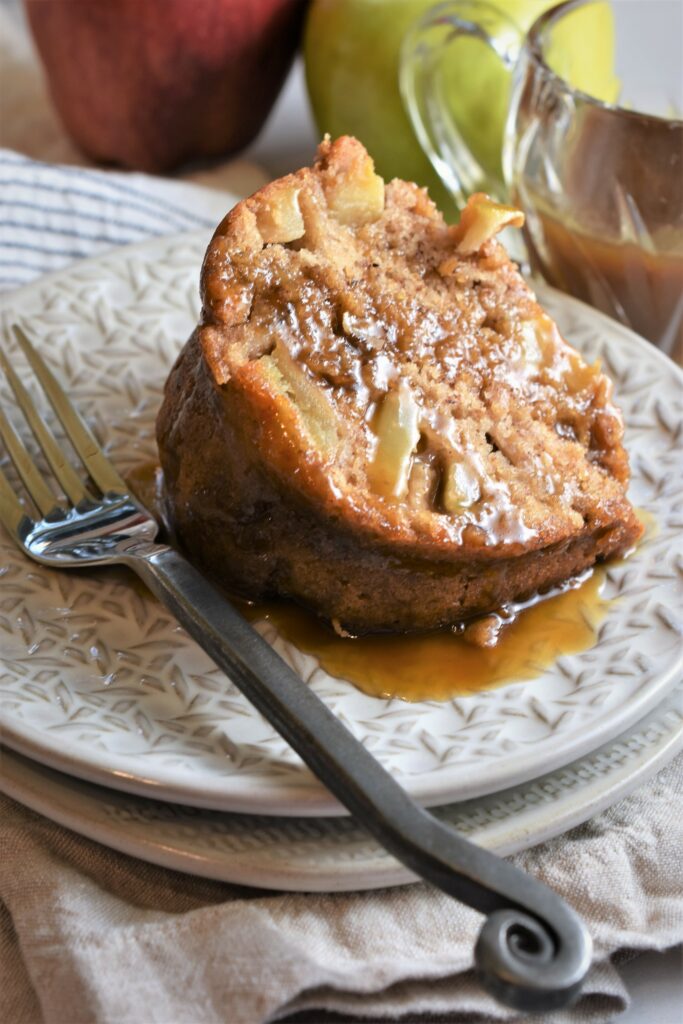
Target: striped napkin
<point x="51" y="215"/>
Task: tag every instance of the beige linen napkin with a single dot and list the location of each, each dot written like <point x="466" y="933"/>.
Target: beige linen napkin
<point x="90" y="935"/>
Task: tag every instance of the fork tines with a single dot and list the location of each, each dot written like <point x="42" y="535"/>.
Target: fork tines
<point x="76" y="430"/>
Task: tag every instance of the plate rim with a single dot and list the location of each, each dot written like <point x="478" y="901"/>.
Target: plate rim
<point x="310" y="798"/>
<point x="536" y="824"/>
<point x="259" y="795"/>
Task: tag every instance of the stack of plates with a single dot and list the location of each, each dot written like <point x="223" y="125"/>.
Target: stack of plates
<point x="116" y="725"/>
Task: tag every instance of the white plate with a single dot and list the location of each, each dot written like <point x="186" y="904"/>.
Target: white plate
<point x="98" y="680"/>
<point x="334" y="854"/>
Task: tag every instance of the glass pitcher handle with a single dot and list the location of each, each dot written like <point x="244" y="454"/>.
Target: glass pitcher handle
<point x="424" y="51"/>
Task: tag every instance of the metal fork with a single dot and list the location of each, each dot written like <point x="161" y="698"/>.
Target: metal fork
<point x="533" y="951"/>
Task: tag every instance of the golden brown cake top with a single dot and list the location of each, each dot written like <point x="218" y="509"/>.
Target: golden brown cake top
<point x="400" y="370"/>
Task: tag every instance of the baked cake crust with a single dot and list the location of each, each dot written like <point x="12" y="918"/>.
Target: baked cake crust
<point x="376" y="418"/>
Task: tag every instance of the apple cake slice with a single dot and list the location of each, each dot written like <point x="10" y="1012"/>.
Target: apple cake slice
<point x="376" y="418"/>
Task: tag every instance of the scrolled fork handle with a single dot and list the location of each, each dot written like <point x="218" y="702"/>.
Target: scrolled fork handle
<point x="533" y="951"/>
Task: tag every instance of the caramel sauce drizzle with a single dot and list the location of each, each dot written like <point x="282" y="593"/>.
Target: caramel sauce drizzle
<point x="440" y="665"/>
<point x="443" y="665"/>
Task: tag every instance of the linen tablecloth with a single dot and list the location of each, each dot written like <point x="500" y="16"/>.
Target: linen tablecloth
<point x="90" y="935"/>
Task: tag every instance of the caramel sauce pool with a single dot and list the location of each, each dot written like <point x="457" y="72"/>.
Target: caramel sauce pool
<point x="440" y="665"/>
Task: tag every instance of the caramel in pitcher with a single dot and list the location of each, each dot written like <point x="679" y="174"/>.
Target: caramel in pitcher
<point x="608" y="226"/>
<point x="642" y="288"/>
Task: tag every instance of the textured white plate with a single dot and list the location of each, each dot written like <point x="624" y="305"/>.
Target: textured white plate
<point x="334" y="854"/>
<point x="97" y="680"/>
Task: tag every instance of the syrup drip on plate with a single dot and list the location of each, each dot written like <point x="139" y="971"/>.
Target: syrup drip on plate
<point x="442" y="665"/>
<point x="439" y="665"/>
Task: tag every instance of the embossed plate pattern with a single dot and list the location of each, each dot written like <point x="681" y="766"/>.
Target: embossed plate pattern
<point x="334" y="854"/>
<point x="96" y="678"/>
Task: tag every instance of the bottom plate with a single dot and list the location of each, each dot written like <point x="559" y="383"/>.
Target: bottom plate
<point x="335" y="854"/>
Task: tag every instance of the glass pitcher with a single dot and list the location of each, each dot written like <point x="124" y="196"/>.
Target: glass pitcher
<point x="601" y="184"/>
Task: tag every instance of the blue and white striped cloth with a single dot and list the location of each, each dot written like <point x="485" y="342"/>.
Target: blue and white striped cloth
<point x="51" y="215"/>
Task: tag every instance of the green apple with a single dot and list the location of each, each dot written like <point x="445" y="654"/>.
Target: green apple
<point x="352" y="48"/>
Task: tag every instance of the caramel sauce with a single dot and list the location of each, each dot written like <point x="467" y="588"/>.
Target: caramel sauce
<point x="442" y="665"/>
<point x="147" y="484"/>
<point x="638" y="286"/>
<point x="439" y="665"/>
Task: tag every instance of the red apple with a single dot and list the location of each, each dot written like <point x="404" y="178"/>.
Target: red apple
<point x="152" y="83"/>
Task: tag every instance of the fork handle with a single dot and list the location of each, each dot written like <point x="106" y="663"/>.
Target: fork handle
<point x="533" y="951"/>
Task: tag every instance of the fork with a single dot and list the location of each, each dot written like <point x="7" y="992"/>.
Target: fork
<point x="533" y="951"/>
